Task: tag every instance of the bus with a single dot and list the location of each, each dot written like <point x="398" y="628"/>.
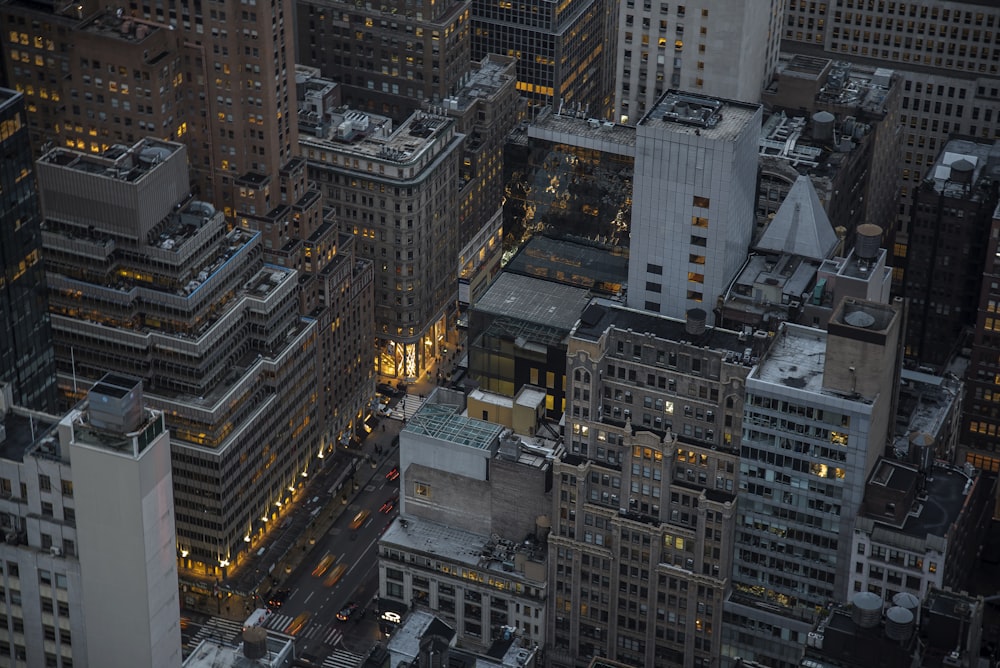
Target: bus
<point x="256" y="618"/>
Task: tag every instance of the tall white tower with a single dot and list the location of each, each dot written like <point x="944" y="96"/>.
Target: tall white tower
<point x="123" y="492"/>
<point x="694" y="193"/>
<point x="711" y="47"/>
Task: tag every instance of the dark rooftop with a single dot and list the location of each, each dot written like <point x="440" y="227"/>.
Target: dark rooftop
<point x="601" y="314"/>
<point x="21" y="433"/>
<point x="572" y="263"/>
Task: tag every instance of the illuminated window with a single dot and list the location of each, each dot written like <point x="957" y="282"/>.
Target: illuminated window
<point x="422" y="490"/>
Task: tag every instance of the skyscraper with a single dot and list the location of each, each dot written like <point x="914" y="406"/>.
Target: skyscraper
<point x="947" y="55"/>
<point x="26" y="357"/>
<point x="564" y="50"/>
<point x="212" y="77"/>
<point x="694" y="196"/>
<point x="147" y="281"/>
<point x="722" y="49"/>
<point x="388" y="58"/>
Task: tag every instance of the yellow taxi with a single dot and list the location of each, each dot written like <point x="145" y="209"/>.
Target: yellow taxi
<point x="335" y="575"/>
<point x="297" y="624"/>
<point x="324" y="565"/>
<point x="360" y="518"/>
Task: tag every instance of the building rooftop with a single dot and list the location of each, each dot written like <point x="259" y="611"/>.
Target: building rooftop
<point x="212" y="653"/>
<point x="800" y="226"/>
<point x="445" y="421"/>
<point x="926" y="402"/>
<point x="937" y="506"/>
<point x="115" y="23"/>
<point x="691" y="113"/>
<point x="601" y="269"/>
<point x="796" y="359"/>
<point x="120" y="162"/>
<point x="483" y="81"/>
<point x="491" y="554"/>
<point x="22" y="432"/>
<point x="603" y="313"/>
<point x="965" y="163"/>
<point x="534" y="300"/>
<point x="578" y="130"/>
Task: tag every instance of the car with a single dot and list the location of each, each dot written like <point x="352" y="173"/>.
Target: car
<point x="324" y="565"/>
<point x="359" y="519"/>
<point x="297" y="624"/>
<point x="277" y="598"/>
<point x="347" y="611"/>
<point x="393" y="474"/>
<point x="335" y="575"/>
<point x="390" y="504"/>
<point x="387" y="390"/>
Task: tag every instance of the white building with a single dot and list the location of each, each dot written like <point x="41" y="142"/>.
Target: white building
<point x="818" y="415"/>
<point x="713" y="47"/>
<point x="469" y="544"/>
<point x="694" y="195"/>
<point x="88" y="553"/>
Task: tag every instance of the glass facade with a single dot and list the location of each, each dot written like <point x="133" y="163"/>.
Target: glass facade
<point x="27" y="360"/>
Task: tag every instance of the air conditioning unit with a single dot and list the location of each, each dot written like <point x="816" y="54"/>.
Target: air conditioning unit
<point x="11" y="537"/>
<point x="55" y="551"/>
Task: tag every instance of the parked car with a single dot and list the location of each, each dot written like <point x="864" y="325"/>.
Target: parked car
<point x="347" y="611"/>
<point x="387" y="390"/>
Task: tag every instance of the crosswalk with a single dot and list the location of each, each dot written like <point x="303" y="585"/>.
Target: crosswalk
<point x="218" y="629"/>
<point x="343" y="659"/>
<point x="409" y="405"/>
<point x="328" y="633"/>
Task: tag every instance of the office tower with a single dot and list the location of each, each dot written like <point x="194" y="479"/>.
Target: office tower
<point x="564" y="51"/>
<point x="818" y="414"/>
<point x="726" y="48"/>
<point x="694" y="191"/>
<point x="949" y="230"/>
<point x="838" y="123"/>
<point x="78" y="549"/>
<point x="460" y="547"/>
<point x="95" y="75"/>
<point x="391" y="57"/>
<point x="147" y="281"/>
<point x="645" y="503"/>
<point x="946" y="55"/>
<point x="398" y="191"/>
<point x="27" y="361"/>
<point x="981" y="418"/>
<point x="135" y="594"/>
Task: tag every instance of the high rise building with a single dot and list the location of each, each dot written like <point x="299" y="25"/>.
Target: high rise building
<point x="725" y="48"/>
<point x="944" y="264"/>
<point x="564" y="50"/>
<point x="27" y="361"/>
<point x="389" y="58"/>
<point x="95" y="75"/>
<point x="60" y="520"/>
<point x="838" y="123"/>
<point x="645" y="500"/>
<point x="981" y="418"/>
<point x="818" y="415"/>
<point x="147" y="281"/>
<point x="399" y="192"/>
<point x="946" y="53"/>
<point x="694" y="194"/>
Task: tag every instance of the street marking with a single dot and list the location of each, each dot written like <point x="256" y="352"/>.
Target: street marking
<point x="308" y="597"/>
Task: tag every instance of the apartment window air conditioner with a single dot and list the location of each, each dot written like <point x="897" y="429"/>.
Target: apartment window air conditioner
<point x="55" y="551"/>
